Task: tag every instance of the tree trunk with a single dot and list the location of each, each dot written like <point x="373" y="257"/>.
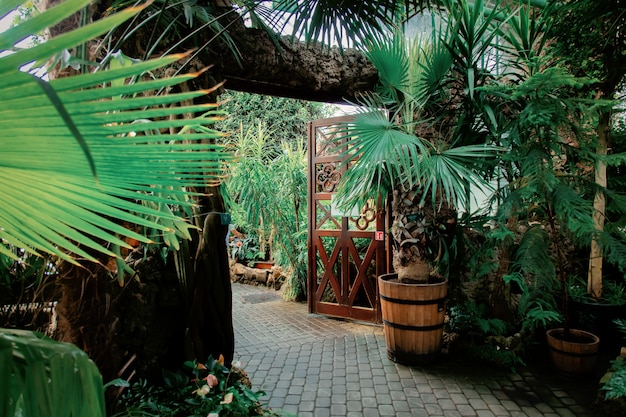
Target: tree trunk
<point x="594" y="278"/>
<point x="209" y="328"/>
<point x="414" y="241"/>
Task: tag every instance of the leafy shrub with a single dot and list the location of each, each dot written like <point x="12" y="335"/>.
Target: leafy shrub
<point x="200" y="390"/>
<point x="468" y="319"/>
<point x="613" y="384"/>
<point x="485" y="338"/>
<point x="496" y="356"/>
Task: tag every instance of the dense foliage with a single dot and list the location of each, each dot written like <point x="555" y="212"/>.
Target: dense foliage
<point x="268" y="185"/>
<point x="199" y="390"/>
<point x="286" y="119"/>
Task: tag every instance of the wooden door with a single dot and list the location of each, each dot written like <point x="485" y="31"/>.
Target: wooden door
<point x="346" y="251"/>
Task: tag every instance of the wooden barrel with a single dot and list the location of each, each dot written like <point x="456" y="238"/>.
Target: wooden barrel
<point x="413" y="317"/>
<point x="575" y="356"/>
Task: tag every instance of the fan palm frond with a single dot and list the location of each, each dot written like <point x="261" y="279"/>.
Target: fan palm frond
<point x="80" y="153"/>
<point x="344" y="23"/>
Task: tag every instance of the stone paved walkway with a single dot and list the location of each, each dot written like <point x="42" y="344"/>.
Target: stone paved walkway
<point x="311" y="365"/>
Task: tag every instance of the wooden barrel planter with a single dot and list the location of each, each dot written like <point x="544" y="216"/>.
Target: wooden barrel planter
<point x="413" y="317"/>
<point x="575" y="356"/>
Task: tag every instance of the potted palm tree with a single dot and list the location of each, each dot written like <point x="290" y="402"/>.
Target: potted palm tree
<point x="415" y="143"/>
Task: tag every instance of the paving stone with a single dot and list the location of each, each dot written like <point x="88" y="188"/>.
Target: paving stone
<point x="510" y="405"/>
<point x="415" y="402"/>
<point x="471" y="393"/>
<point x="292" y="400"/>
<point x="478" y="404"/>
<point x="322" y="412"/>
<point x="353" y="395"/>
<point x="466" y="410"/>
<point x="338" y="399"/>
<point x="305" y="406"/>
<point x="338" y="409"/>
<point x="498" y="410"/>
<point x="447" y="404"/>
<point x="441" y="393"/>
<point x="354" y="405"/>
<point x="419" y="412"/>
<point x="458" y="398"/>
<point x="531" y="412"/>
<point x="433" y="409"/>
<point x="382" y="390"/>
<point x="396" y="386"/>
<point x="296" y="390"/>
<point x="565" y="412"/>
<point x="429" y="398"/>
<point x="322" y="402"/>
<point x="370" y="412"/>
<point x="311" y="365"/>
<point x="544" y="408"/>
<point x="401" y="406"/>
<point x="383" y="398"/>
<point x="366" y="383"/>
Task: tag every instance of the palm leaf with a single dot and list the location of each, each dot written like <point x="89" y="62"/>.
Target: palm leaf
<point x="56" y="135"/>
<point x="452" y="173"/>
<point x="391" y="58"/>
<point x="384" y="154"/>
<point x="41" y="377"/>
<point x="334" y="21"/>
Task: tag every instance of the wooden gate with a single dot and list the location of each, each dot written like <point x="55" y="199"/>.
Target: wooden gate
<point x="346" y="251"/>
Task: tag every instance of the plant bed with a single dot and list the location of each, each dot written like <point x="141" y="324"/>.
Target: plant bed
<point x="209" y="388"/>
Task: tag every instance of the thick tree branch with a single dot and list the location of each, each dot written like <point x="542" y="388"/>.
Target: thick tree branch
<point x="295" y="70"/>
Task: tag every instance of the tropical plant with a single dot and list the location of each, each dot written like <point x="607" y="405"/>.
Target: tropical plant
<point x="613" y="383"/>
<point x="94" y="161"/>
<point x="544" y="210"/>
<point x="423" y="152"/>
<point x="278" y="219"/>
<point x="41" y="377"/>
<point x="589" y="40"/>
<point x="200" y="389"/>
<point x="288" y="119"/>
<point x="78" y="159"/>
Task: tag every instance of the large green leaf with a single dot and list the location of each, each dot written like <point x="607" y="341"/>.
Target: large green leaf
<point x="41" y="377"/>
<point x="80" y="154"/>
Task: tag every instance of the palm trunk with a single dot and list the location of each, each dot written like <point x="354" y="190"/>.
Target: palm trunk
<point x="412" y="234"/>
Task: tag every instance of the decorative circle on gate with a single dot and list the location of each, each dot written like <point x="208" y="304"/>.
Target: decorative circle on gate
<point x="366" y="217"/>
<point x="327" y="177"/>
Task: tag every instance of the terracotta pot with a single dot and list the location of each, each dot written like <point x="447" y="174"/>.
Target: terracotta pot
<point x="413" y="317"/>
<point x="576" y="355"/>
